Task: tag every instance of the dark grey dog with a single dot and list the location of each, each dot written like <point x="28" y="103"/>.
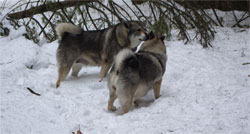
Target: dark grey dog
<point x="135" y="73"/>
<point x="94" y="48"/>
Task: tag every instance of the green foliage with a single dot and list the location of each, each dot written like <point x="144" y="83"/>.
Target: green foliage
<point x="32" y="34"/>
<point x="4" y="31"/>
<point x="165" y="15"/>
<point x="161" y="28"/>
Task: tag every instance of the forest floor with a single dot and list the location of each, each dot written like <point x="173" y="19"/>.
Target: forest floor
<point x="203" y="91"/>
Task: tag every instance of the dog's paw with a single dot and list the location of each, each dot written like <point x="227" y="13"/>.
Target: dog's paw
<point x="123" y="112"/>
<point x="74" y="75"/>
<point x="101" y="80"/>
<point x="136" y="103"/>
<point x="112" y="108"/>
<point x="157" y="96"/>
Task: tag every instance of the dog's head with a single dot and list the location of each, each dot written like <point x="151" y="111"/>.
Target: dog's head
<point x="154" y="44"/>
<point x="131" y="33"/>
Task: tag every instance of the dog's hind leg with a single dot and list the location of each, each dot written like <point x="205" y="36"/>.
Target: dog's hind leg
<point x="126" y="100"/>
<point x="127" y="105"/>
<point x="65" y="59"/>
<point x="76" y="68"/>
<point x="64" y="66"/>
<point x="62" y="73"/>
<point x="136" y="103"/>
<point x="157" y="87"/>
<point x="104" y="70"/>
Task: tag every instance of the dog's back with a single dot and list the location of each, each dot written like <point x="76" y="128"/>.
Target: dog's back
<point x="143" y="65"/>
<point x="73" y="37"/>
<point x="148" y="64"/>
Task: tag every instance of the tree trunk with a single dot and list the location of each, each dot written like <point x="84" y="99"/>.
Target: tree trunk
<point x="249" y="8"/>
<point x="240" y="5"/>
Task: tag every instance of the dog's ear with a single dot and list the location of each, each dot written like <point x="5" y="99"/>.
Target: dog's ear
<point x="126" y="24"/>
<point x="162" y="38"/>
<point x="122" y="33"/>
<point x="144" y="23"/>
<point x="151" y="35"/>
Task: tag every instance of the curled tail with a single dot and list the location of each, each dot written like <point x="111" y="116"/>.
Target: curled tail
<point x="126" y="59"/>
<point x="66" y="27"/>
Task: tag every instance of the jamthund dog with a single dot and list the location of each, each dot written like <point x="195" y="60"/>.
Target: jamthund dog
<point x="133" y="74"/>
<point x="94" y="48"/>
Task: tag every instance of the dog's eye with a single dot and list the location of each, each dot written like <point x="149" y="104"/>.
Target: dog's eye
<point x="139" y="30"/>
<point x="114" y="87"/>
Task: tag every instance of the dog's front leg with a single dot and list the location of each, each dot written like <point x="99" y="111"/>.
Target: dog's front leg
<point x="112" y="97"/>
<point x="76" y="69"/>
<point x="104" y="70"/>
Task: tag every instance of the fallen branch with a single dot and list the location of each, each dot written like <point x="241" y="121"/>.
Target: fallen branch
<point x="245" y="63"/>
<point x="31" y="91"/>
<point x="47" y="7"/>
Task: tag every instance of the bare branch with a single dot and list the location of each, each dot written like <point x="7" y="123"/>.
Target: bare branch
<point x="33" y="92"/>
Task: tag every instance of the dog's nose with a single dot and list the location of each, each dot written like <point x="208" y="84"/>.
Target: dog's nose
<point x="146" y="37"/>
<point x="143" y="30"/>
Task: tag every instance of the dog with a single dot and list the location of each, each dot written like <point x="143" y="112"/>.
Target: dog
<point x="94" y="48"/>
<point x="133" y="74"/>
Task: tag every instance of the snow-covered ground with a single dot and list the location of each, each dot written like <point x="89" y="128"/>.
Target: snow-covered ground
<point x="203" y="91"/>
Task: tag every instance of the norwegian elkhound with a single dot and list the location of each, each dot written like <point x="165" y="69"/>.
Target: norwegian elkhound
<point x="133" y="74"/>
<point x="94" y="48"/>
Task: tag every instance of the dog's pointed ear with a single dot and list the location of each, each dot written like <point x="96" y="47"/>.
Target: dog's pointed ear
<point x="144" y="23"/>
<point x="125" y="24"/>
<point x="122" y="33"/>
<point x="151" y="35"/>
<point x="162" y="38"/>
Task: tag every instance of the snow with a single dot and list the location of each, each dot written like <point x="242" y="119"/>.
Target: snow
<point x="203" y="91"/>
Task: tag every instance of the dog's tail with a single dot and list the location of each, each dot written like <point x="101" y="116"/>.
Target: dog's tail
<point x="126" y="59"/>
<point x="66" y="27"/>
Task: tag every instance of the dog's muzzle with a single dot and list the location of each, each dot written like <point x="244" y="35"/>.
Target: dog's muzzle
<point x="144" y="36"/>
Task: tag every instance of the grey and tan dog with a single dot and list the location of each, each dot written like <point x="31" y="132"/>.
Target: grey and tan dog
<point x="133" y="74"/>
<point x="94" y="48"/>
